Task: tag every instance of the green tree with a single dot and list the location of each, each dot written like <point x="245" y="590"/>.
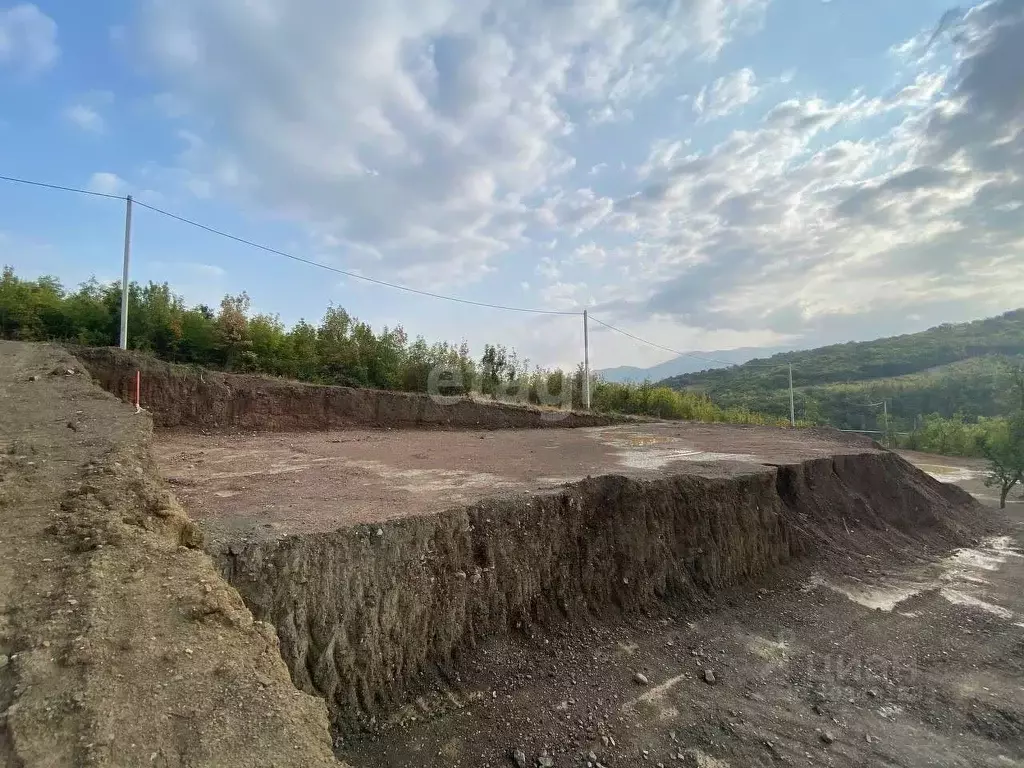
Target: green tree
<point x="341" y="350"/>
<point x="232" y="333"/>
<point x="1004" y="448"/>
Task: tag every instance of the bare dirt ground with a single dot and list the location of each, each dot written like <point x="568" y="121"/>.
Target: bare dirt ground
<point x="119" y="643"/>
<point x="121" y="646"/>
<point x="275" y="484"/>
<point x="898" y="665"/>
<point x="880" y="663"/>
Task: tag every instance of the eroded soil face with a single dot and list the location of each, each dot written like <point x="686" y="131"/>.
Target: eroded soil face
<point x="866" y="653"/>
<point x="917" y="664"/>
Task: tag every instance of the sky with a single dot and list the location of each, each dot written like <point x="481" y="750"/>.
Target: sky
<point x="705" y="174"/>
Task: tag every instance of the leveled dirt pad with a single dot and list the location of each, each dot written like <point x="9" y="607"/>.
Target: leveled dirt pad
<point x="381" y="556"/>
<point x="259" y="486"/>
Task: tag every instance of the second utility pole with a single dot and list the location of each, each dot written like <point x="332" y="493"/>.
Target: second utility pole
<point x="586" y="363"/>
<point x="792" y="406"/>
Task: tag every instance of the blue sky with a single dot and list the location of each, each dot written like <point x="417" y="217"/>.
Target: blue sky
<point x="707" y="174"/>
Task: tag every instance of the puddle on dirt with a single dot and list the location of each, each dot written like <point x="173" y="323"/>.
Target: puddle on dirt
<point x="958" y="578"/>
<point x="957" y="597"/>
<point x="878" y="598"/>
<point x="948" y="474"/>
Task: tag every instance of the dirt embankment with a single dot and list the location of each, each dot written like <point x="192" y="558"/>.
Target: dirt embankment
<point x="120" y="645"/>
<point x="362" y="611"/>
<point x="194" y="398"/>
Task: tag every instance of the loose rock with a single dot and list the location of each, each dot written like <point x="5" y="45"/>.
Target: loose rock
<point x="519" y="758"/>
<point x="709" y="677"/>
<point x="641" y="679"/>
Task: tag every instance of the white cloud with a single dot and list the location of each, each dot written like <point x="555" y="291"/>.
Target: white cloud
<point x="793" y="229"/>
<point x="727" y="94"/>
<point x="425" y="130"/>
<point x="609" y="114"/>
<point x="106" y="183"/>
<point x="28" y="39"/>
<point x="85" y="117"/>
<point x="85" y="113"/>
<point x="563" y="296"/>
<point x="426" y="139"/>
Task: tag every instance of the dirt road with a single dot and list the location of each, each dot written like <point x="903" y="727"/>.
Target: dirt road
<point x="899" y="665"/>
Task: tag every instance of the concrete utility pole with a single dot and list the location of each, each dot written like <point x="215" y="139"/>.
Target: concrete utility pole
<point x="124" y="275"/>
<point x="586" y="363"/>
<point x="792" y="404"/>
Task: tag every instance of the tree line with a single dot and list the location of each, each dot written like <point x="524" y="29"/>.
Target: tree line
<point x="340" y="349"/>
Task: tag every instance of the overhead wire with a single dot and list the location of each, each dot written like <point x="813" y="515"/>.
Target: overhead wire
<point x="278" y="252"/>
<point x="347" y="273"/>
<point x="374" y="280"/>
<point x="77" y="190"/>
<point x="692" y="355"/>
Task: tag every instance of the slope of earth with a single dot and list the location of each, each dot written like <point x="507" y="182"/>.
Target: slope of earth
<point x="844" y="661"/>
<point x="119" y="643"/>
<point x="397" y="564"/>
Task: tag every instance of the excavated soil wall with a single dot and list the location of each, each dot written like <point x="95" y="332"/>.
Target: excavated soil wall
<point x="179" y="396"/>
<point x="362" y="611"/>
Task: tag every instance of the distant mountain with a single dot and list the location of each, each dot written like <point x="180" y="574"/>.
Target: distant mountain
<point x="677" y="366"/>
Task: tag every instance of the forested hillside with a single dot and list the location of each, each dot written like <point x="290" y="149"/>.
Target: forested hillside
<point x="950" y="370"/>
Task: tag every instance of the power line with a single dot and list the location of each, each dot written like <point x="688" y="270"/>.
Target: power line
<point x="354" y="275"/>
<point x="275" y="251"/>
<point x="656" y="346"/>
<point x="375" y="281"/>
<point x="61" y="188"/>
<point x="677" y="352"/>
